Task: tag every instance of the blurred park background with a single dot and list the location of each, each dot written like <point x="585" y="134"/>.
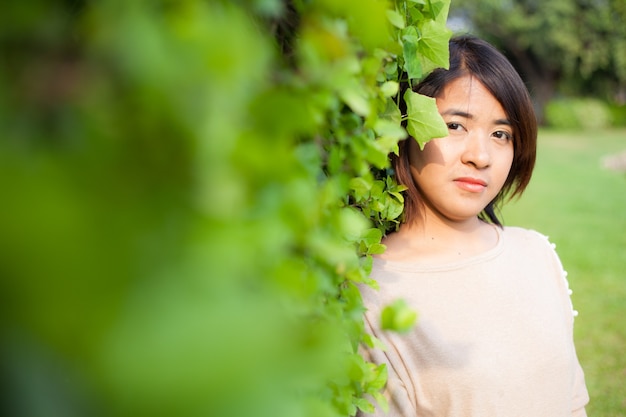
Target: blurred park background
<point x="115" y="211"/>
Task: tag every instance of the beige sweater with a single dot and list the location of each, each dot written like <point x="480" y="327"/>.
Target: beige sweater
<point x="494" y="334"/>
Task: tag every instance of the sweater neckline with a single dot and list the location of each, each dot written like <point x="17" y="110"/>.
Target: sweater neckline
<point x="420" y="266"/>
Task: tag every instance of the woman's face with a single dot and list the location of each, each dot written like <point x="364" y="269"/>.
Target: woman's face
<point x="460" y="174"/>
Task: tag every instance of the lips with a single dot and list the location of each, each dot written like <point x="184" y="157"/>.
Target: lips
<point x="474" y="185"/>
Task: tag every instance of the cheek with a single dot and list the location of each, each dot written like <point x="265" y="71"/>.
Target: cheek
<point x="507" y="155"/>
<point x="506" y="165"/>
<point x="431" y="154"/>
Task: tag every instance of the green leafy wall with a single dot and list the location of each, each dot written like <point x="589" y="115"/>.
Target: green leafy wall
<point x="192" y="191"/>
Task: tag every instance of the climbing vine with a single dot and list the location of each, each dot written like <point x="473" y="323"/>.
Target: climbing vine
<point x="204" y="184"/>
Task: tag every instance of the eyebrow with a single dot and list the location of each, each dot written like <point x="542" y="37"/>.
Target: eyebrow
<point x="466" y="115"/>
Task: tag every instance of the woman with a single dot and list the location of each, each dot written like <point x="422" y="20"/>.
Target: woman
<point x="495" y="330"/>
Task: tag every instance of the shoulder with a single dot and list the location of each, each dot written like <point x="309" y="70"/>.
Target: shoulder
<point x="526" y="236"/>
<point x="541" y="248"/>
<point x="522" y="233"/>
<point x="527" y="243"/>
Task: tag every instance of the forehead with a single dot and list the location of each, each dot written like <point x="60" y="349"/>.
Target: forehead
<point x="468" y="94"/>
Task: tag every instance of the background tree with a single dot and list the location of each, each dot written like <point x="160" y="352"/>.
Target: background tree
<point x="574" y="46"/>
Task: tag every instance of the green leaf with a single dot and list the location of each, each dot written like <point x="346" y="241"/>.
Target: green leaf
<point x="336" y="158"/>
<point x="391" y="69"/>
<point x="372" y="236"/>
<point x="433" y="43"/>
<point x="396" y="19"/>
<point x="416" y="14"/>
<point x="376" y="249"/>
<point x="389" y="88"/>
<point x="439" y="9"/>
<point x="364" y="405"/>
<point x="398" y="317"/>
<point x="410" y="34"/>
<point x="380" y="372"/>
<point x="390" y="111"/>
<point x="410" y="45"/>
<point x="355" y="96"/>
<point x="377" y="154"/>
<point x="353" y="221"/>
<point x="389" y="129"/>
<point x="374" y="342"/>
<point x="389" y="144"/>
<point x="381" y="400"/>
<point x="377" y="190"/>
<point x="361" y="187"/>
<point x="393" y="207"/>
<point x="423" y="119"/>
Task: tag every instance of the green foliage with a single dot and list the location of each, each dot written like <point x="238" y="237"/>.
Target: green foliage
<point x="618" y="115"/>
<point x="398" y="317"/>
<point x="575" y="114"/>
<point x="193" y="192"/>
<point x="576" y="36"/>
<point x="579" y="43"/>
<point x="422" y="115"/>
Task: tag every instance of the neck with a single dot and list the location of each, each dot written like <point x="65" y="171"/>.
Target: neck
<point x="440" y="240"/>
<point x="441" y="227"/>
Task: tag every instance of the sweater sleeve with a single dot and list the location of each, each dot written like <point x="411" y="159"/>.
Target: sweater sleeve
<point x="580" y="396"/>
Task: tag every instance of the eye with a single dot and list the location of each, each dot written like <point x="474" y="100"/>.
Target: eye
<point x="454" y="126"/>
<point x="501" y="134"/>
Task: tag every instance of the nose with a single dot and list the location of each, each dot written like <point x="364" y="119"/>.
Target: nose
<point x="476" y="151"/>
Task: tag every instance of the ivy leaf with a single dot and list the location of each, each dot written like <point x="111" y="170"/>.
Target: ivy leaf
<point x="364" y="405"/>
<point x="410" y="45"/>
<point x="356" y="98"/>
<point x="389" y="88"/>
<point x="398" y="317"/>
<point x="389" y="128"/>
<point x="376" y="343"/>
<point x="366" y="264"/>
<point x="423" y="119"/>
<point x="396" y="19"/>
<point x="376" y="249"/>
<point x="434" y="42"/>
<point x="393" y="207"/>
<point x="361" y="187"/>
<point x="353" y="224"/>
<point x="391" y="69"/>
<point x="380" y="372"/>
<point x="372" y="236"/>
<point x="389" y="144"/>
<point x="390" y="111"/>
<point x="440" y="9"/>
<point x="381" y="400"/>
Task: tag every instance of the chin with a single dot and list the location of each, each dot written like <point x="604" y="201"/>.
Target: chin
<point x="460" y="216"/>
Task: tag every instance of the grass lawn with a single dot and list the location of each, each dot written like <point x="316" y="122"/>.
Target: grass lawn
<point x="582" y="208"/>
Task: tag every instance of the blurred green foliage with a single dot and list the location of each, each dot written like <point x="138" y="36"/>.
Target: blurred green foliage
<point x="618" y="115"/>
<point x="192" y="191"/>
<point x="584" y="114"/>
<point x="561" y="47"/>
<point x="578" y="113"/>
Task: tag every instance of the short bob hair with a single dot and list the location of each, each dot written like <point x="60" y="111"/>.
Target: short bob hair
<point x="472" y="56"/>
